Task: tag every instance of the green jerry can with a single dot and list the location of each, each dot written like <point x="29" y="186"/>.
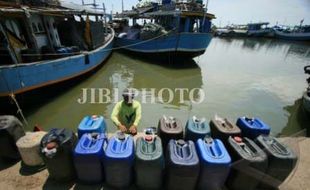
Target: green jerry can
<point x="149" y="163"/>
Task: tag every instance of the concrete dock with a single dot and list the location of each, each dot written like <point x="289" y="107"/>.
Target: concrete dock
<point x="17" y="176"/>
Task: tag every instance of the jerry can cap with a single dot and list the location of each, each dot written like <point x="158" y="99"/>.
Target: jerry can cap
<point x="51" y="145"/>
<point x="148" y="138"/>
<point x="238" y="139"/>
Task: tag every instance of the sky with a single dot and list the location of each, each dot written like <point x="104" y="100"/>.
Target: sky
<point x="287" y="12"/>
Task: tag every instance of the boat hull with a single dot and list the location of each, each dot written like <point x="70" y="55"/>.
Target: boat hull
<point x="17" y="79"/>
<point x="259" y="33"/>
<point x="292" y="36"/>
<point x="184" y="44"/>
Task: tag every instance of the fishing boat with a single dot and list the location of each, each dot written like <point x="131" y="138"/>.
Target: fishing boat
<point x="250" y="30"/>
<point x="259" y="30"/>
<point x="177" y="29"/>
<point x="232" y="31"/>
<point x="298" y="33"/>
<point x="48" y="42"/>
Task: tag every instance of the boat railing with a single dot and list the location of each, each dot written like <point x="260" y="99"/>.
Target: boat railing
<point x="189" y="6"/>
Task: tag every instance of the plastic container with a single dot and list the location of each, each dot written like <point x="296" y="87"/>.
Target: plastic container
<point x="182" y="164"/>
<point x="196" y="129"/>
<point x="92" y="124"/>
<point x="222" y="129"/>
<point x="88" y="158"/>
<point x="29" y="148"/>
<point x="249" y="164"/>
<point x="281" y="159"/>
<point x="11" y="129"/>
<point x="169" y="128"/>
<point x="149" y="162"/>
<point x="119" y="160"/>
<point x="214" y="163"/>
<point x="57" y="152"/>
<point x="252" y="127"/>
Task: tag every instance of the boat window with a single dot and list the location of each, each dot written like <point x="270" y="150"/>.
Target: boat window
<point x="34" y="27"/>
<point x="40" y="28"/>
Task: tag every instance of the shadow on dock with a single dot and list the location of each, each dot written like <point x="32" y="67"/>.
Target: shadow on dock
<point x="55" y="185"/>
<point x="30" y="170"/>
<point x="5" y="163"/>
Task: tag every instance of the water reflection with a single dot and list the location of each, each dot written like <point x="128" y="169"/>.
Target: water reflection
<point x="252" y="77"/>
<point x="139" y="75"/>
<point x="120" y="72"/>
<point x="299" y="49"/>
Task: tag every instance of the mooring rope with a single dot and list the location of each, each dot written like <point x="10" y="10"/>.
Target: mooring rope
<point x="19" y="110"/>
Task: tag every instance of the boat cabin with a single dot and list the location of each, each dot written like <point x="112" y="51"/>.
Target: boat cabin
<point x="187" y="16"/>
<point x="257" y="26"/>
<point x="36" y="32"/>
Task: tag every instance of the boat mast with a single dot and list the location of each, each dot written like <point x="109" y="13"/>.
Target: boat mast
<point x="301" y="22"/>
<point x="105" y="19"/>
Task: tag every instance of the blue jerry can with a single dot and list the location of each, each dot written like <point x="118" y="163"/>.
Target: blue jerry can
<point x="214" y="163"/>
<point x="182" y="165"/>
<point x="196" y="128"/>
<point x="91" y="124"/>
<point x="252" y="127"/>
<point x="118" y="161"/>
<point x="88" y="157"/>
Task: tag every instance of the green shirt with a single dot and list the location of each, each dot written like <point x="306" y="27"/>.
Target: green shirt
<point x="126" y="115"/>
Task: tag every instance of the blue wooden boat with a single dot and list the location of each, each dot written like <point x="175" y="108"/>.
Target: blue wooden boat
<point x="38" y="49"/>
<point x="173" y="29"/>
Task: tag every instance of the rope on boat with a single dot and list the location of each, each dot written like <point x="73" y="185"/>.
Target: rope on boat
<point x="19" y="110"/>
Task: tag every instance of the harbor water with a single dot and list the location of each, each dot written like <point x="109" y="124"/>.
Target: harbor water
<point x="254" y="77"/>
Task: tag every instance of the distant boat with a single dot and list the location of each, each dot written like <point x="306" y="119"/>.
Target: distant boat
<point x="259" y="30"/>
<point x="296" y="34"/>
<point x="250" y="30"/>
<point x="44" y="45"/>
<point x="174" y="30"/>
<point x="232" y="31"/>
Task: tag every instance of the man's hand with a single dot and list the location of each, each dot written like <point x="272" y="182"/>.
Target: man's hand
<point x="122" y="128"/>
<point x="133" y="129"/>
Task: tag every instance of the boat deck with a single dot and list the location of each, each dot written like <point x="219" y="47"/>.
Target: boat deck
<point x="17" y="176"/>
